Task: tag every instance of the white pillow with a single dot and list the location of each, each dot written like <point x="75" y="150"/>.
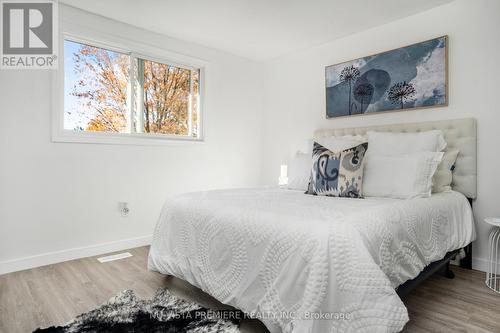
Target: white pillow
<point x="340" y="143"/>
<point x="299" y="171"/>
<point x="402" y="176"/>
<point x="389" y="143"/>
<point x="441" y="182"/>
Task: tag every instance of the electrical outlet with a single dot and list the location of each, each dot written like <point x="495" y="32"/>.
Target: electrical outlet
<point x="123" y="208"/>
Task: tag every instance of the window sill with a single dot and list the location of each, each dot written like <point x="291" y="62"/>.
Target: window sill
<point x="123" y="139"/>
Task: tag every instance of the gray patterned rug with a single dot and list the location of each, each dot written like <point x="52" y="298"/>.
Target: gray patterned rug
<point x="165" y="312"/>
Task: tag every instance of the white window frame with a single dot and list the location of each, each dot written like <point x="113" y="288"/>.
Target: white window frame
<point x="134" y="50"/>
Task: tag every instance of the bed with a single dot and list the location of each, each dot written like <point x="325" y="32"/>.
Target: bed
<point x="303" y="263"/>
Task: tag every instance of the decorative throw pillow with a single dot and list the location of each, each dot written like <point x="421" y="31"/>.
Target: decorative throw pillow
<point x="338" y="174"/>
<point x="443" y="177"/>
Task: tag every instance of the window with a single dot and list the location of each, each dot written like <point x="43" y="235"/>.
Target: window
<point x="96" y="85"/>
<point x="170" y="96"/>
<point x="116" y="93"/>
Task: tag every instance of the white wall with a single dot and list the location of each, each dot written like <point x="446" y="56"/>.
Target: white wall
<point x="295" y="91"/>
<point x="58" y="197"/>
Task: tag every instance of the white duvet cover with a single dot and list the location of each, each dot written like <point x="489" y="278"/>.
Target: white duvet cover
<point x="304" y="263"/>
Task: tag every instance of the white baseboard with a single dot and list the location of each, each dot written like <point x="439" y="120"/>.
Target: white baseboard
<point x="48" y="258"/>
<point x="480" y="264"/>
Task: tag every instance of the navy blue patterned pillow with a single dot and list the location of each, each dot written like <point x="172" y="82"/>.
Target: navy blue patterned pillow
<point x="338" y="174"/>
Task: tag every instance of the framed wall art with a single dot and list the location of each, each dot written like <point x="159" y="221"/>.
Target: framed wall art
<point x="406" y="78"/>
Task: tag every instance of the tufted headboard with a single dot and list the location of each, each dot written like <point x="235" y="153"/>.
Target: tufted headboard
<point x="458" y="133"/>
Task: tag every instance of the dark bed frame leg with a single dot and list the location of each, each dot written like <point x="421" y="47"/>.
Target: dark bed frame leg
<point x="448" y="273"/>
<point x="467" y="261"/>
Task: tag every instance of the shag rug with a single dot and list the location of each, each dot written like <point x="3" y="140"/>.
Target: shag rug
<point x="165" y="312"/>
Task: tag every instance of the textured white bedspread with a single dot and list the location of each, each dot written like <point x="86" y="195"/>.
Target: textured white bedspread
<point x="308" y="263"/>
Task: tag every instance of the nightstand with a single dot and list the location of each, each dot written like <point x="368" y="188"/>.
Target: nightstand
<point x="493" y="274"/>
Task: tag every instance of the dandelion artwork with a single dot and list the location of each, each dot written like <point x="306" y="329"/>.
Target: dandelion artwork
<point x="406" y="78"/>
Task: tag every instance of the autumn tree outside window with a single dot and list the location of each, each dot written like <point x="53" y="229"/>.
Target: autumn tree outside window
<point x="116" y="92"/>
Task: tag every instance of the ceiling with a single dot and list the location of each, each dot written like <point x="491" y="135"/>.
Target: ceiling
<point x="256" y="29"/>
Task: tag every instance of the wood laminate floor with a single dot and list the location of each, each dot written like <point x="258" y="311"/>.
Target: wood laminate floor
<point x="54" y="294"/>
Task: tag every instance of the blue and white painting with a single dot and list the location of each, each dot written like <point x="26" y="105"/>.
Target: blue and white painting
<point x="409" y="77"/>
